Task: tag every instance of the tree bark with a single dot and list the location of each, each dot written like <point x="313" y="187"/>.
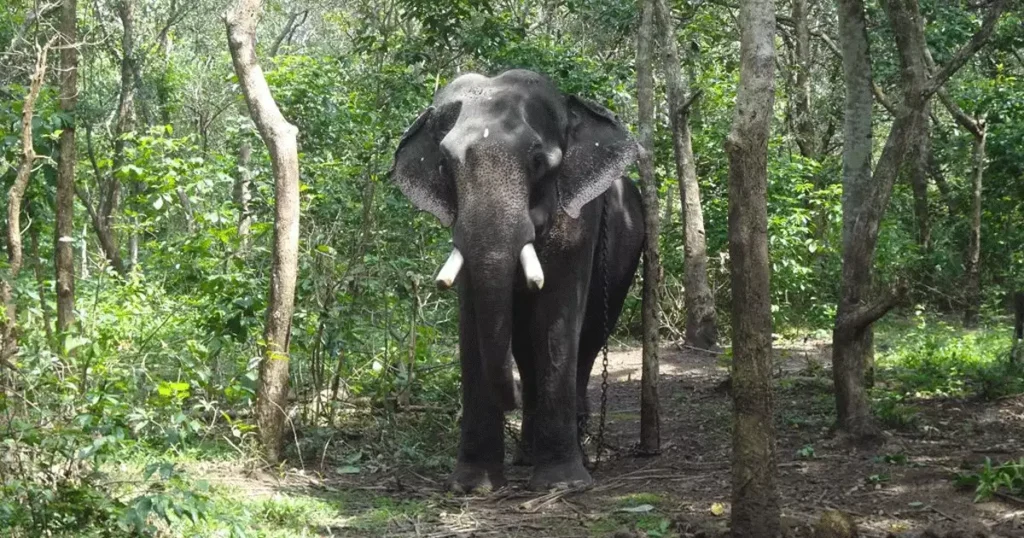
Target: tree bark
<point x="37" y="267"/>
<point x="972" y="265"/>
<point x="917" y="167"/>
<point x="15" y="259"/>
<point x="280" y="138"/>
<point x="186" y="209"/>
<point x="852" y="346"/>
<point x="125" y="124"/>
<point x="701" y="324"/>
<point x="64" y="255"/>
<point x="243" y="194"/>
<point x="101" y="215"/>
<point x="866" y="195"/>
<point x="755" y="504"/>
<point x="650" y="421"/>
<point x="972" y="255"/>
<point x="806" y="139"/>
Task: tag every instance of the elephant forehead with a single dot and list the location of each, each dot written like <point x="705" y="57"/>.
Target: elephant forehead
<point x="501" y="133"/>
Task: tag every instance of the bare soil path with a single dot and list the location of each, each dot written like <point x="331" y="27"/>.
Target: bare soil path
<point x="904" y="488"/>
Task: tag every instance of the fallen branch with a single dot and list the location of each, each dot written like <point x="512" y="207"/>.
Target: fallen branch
<point x="538" y="503"/>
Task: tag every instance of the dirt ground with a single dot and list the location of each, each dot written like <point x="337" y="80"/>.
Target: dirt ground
<point x="904" y="488"/>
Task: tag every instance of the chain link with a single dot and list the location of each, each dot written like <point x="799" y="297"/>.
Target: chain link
<point x="606" y="335"/>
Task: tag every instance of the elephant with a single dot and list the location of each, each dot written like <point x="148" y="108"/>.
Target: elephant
<point x="526" y="178"/>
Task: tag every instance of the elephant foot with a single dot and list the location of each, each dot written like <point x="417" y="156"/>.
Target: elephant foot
<point x="476" y="478"/>
<point x="571" y="474"/>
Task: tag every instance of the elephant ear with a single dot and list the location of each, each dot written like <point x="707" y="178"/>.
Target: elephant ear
<point x="598" y="151"/>
<point x="416" y="168"/>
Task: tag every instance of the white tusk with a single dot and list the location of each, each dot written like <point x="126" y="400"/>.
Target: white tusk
<point x="450" y="270"/>
<point x="531" y="267"/>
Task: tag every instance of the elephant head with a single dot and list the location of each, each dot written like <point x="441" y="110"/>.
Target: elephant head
<point x="497" y="159"/>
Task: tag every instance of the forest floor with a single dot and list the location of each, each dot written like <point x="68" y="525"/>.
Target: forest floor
<point x="904" y="488"/>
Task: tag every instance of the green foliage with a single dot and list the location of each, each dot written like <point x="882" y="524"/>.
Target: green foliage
<point x="165" y="360"/>
<point x="991" y="480"/>
<point x="937" y="360"/>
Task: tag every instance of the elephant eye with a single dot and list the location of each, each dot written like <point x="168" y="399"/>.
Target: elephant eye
<point x="443" y="167"/>
<point x="539" y="162"/>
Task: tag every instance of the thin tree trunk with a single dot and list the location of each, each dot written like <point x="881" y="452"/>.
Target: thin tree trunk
<point x="85" y="256"/>
<point x="243" y="194"/>
<point x="37" y="267"/>
<point x="755" y="503"/>
<point x="290" y="26"/>
<point x="972" y="286"/>
<point x="806" y="140"/>
<point x="101" y="215"/>
<point x="280" y="138"/>
<point x="666" y="216"/>
<point x="972" y="255"/>
<point x="917" y="167"/>
<point x="9" y="325"/>
<point x="701" y="324"/>
<point x="650" y="421"/>
<point x="186" y="208"/>
<point x="125" y="124"/>
<point x="64" y="231"/>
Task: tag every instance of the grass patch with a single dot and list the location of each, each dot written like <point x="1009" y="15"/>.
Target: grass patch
<point x="652" y="525"/>
<point x="935" y="359"/>
<point x="636" y="499"/>
<point x="299" y="515"/>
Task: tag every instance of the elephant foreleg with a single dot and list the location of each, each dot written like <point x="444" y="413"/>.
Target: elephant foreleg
<point x="480" y="463"/>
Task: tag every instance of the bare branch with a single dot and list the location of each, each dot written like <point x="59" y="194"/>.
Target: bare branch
<point x="965" y="53"/>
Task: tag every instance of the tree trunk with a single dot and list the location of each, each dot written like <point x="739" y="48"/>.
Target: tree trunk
<point x="701" y="326"/>
<point x="125" y="124"/>
<point x="972" y="255"/>
<point x="806" y="139"/>
<point x="650" y="421"/>
<point x="972" y="265"/>
<point x="666" y="216"/>
<point x="243" y="195"/>
<point x="64" y="255"/>
<point x="853" y="347"/>
<point x="280" y="138"/>
<point x="186" y="209"/>
<point x="37" y="267"/>
<point x="84" y="256"/>
<point x="8" y="326"/>
<point x="755" y="504"/>
<point x="101" y="215"/>
<point x="917" y="168"/>
<point x="866" y="195"/>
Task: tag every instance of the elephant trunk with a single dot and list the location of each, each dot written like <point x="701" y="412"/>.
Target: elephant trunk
<point x="491" y="294"/>
<point x="495" y="240"/>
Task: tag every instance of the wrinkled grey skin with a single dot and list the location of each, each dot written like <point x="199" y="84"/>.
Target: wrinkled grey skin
<point x="507" y="161"/>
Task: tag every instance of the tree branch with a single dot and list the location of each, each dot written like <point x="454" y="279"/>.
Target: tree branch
<point x="865" y="314"/>
<point x="289" y="27"/>
<point x="974" y="45"/>
<point x="961" y="117"/>
<point x="875" y="88"/>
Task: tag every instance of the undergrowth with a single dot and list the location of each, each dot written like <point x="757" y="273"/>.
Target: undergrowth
<point x="936" y="359"/>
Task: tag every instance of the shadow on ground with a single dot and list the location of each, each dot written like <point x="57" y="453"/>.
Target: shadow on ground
<point x="903" y="488"/>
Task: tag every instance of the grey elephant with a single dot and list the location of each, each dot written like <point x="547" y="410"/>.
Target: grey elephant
<point x="531" y="183"/>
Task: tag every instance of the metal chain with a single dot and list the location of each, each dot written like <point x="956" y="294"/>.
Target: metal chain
<point x="607" y="333"/>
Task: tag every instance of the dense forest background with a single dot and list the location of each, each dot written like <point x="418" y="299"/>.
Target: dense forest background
<point x="101" y="419"/>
